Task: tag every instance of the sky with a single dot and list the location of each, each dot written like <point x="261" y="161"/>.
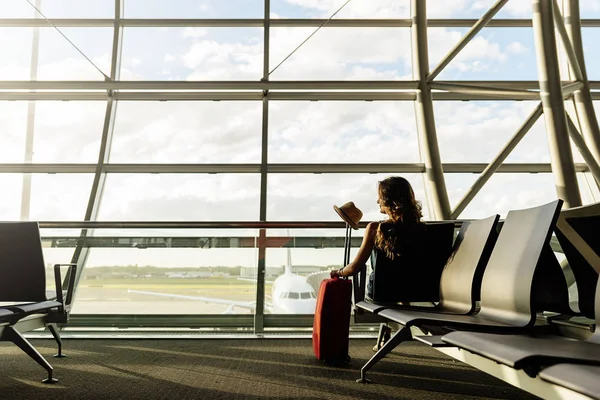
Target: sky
<point x="230" y="132"/>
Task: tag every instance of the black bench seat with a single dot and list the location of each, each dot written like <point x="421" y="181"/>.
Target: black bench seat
<point x="5" y="315"/>
<point x="529" y="353"/>
<point x="464" y="322"/>
<point x="584" y="379"/>
<point x="23" y="296"/>
<point x="33" y="308"/>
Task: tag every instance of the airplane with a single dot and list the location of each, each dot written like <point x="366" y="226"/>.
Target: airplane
<point x="290" y="293"/>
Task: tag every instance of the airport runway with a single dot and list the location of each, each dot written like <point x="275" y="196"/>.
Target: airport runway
<point x="108" y="299"/>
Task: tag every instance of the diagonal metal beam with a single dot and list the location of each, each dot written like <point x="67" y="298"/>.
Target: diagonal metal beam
<point x="559" y="22"/>
<point x="497" y="162"/>
<point x="478" y="26"/>
<point x="588" y="157"/>
<point x="563" y="167"/>
<point x="81" y="253"/>
<point x="428" y="143"/>
<point x="259" y="311"/>
<point x="584" y="106"/>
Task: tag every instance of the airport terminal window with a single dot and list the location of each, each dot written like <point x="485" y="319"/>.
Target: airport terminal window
<point x="59" y="60"/>
<point x="202" y="128"/>
<point x="158" y="280"/>
<point x="67" y="131"/>
<point x="331" y="132"/>
<point x="504" y="192"/>
<point x="15" y="63"/>
<point x="493" y="54"/>
<point x="310" y="197"/>
<point x="192" y="53"/>
<point x="489" y="125"/>
<point x="194" y="9"/>
<point x="13" y="118"/>
<point x="199" y="132"/>
<point x="181" y="197"/>
<point x="53" y="197"/>
<point x="372" y="9"/>
<point x="342" y="54"/>
<point x="76" y="9"/>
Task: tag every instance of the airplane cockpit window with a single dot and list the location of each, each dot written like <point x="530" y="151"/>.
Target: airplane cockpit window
<point x="294" y="295"/>
<point x="313" y="295"/>
<point x="283" y="295"/>
<point x="305" y="295"/>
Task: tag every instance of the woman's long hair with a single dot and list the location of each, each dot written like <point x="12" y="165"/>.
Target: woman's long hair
<point x="399" y="232"/>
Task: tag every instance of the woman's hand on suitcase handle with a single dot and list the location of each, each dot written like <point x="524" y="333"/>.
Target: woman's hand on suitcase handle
<point x="336" y="273"/>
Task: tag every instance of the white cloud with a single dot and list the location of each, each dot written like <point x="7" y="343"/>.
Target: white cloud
<point x="479" y="54"/>
<point x="194" y="32"/>
<point x="213" y="60"/>
<point x="517" y="48"/>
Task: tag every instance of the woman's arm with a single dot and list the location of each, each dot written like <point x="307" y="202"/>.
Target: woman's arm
<point x="363" y="253"/>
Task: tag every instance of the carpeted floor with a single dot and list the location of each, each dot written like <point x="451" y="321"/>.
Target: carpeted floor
<point x="238" y="369"/>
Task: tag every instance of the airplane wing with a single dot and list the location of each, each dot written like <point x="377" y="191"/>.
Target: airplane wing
<point x="252" y="280"/>
<point x="243" y="304"/>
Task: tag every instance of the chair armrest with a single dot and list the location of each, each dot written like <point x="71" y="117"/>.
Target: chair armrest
<point x="58" y="282"/>
<point x="359" y="285"/>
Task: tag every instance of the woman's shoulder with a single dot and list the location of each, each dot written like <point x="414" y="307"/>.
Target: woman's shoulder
<point x="373" y="225"/>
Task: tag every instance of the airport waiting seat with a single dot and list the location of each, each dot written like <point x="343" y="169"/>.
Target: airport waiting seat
<point x="582" y="379"/>
<point x="512" y="289"/>
<point x="460" y="271"/>
<point x="5" y="316"/>
<point x="530" y="353"/>
<point x="23" y="289"/>
<point x="577" y="233"/>
<point x="577" y="361"/>
<point x="408" y="280"/>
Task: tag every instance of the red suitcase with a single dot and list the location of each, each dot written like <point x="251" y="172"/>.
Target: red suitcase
<point x="331" y="327"/>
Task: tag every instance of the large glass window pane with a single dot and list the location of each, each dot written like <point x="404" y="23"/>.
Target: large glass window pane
<point x="354" y="9"/>
<point x="13" y="119"/>
<point x="310" y="197"/>
<point x="476" y="131"/>
<point x="494" y="54"/>
<point x="54" y="197"/>
<point x="78" y="8"/>
<point x="502" y="193"/>
<point x="15" y="63"/>
<point x="341" y="54"/>
<point x="17" y="9"/>
<point x="194" y="9"/>
<point x="297" y="260"/>
<point x="192" y="53"/>
<point x="181" y="197"/>
<point x="168" y="281"/>
<point x="67" y="132"/>
<point x="187" y="132"/>
<point x="476" y="8"/>
<point x="60" y="60"/>
<point x="10" y="206"/>
<point x="342" y="132"/>
<point x="57" y="197"/>
<point x="590" y="38"/>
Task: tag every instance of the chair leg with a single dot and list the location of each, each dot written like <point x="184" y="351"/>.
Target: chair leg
<point x="383" y="336"/>
<point x="52" y="328"/>
<point x="402" y="335"/>
<point x="14" y="336"/>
